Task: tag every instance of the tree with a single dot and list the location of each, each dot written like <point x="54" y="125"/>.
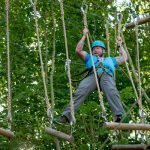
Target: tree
<point x="28" y="104"/>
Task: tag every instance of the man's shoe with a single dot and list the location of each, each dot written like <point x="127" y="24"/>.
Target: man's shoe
<point x="62" y="120"/>
<point x="121" y="119"/>
<point x="118" y="118"/>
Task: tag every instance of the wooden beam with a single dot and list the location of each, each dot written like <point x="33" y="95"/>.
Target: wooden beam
<point x="59" y="134"/>
<point x="7" y="133"/>
<point x="126" y="126"/>
<point x="131" y="147"/>
<point x="138" y="22"/>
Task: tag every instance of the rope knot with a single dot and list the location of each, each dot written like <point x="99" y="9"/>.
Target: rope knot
<point x="67" y="64"/>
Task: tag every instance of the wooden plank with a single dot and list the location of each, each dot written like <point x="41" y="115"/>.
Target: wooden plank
<point x="138" y="22"/>
<point x="59" y="134"/>
<point x="7" y="133"/>
<point x="126" y="126"/>
<point x="131" y="147"/>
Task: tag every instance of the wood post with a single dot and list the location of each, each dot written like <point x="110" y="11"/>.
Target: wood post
<point x="126" y="126"/>
<point x="6" y="132"/>
<point x="138" y="22"/>
<point x="131" y="147"/>
<point x="59" y="134"/>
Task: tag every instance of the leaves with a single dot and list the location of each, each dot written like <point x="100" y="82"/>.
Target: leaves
<point x="28" y="100"/>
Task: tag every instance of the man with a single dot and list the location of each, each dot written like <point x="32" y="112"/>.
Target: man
<point x="105" y="70"/>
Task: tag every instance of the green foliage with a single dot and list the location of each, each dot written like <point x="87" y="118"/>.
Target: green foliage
<point x="28" y="103"/>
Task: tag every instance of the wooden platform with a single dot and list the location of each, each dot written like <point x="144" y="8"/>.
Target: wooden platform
<point x="126" y="126"/>
<point x="138" y="22"/>
<point x="59" y="134"/>
<point x="131" y="147"/>
<point x="7" y="133"/>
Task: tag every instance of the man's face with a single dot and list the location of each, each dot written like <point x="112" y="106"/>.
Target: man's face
<point x="98" y="51"/>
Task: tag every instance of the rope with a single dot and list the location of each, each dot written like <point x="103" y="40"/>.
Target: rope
<point x="49" y="113"/>
<point x="53" y="58"/>
<point x="57" y="143"/>
<point x="128" y="70"/>
<point x="138" y="67"/>
<point x="107" y="37"/>
<point x="116" y="27"/>
<point x="132" y="67"/>
<point x="84" y="11"/>
<point x="142" y="113"/>
<point x="8" y="65"/>
<point x="73" y="120"/>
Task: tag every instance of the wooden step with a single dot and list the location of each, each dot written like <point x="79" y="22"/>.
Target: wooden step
<point x="59" y="134"/>
<point x="6" y="132"/>
<point x="126" y="126"/>
<point x="138" y="22"/>
<point x="131" y="147"/>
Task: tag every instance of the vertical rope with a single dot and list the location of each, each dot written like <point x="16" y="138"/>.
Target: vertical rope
<point x="8" y="65"/>
<point x="68" y="65"/>
<point x="138" y="68"/>
<point x="53" y="58"/>
<point x="42" y="67"/>
<point x="132" y="67"/>
<point x="56" y="140"/>
<point x="84" y="11"/>
<point x="107" y="37"/>
<point x="143" y="114"/>
<point x="46" y="54"/>
<point x="119" y="23"/>
<point x="116" y="27"/>
<point x="128" y="70"/>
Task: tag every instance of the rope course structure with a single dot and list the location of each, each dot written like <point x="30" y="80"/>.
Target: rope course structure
<point x="143" y="115"/>
<point x="111" y="125"/>
<point x="134" y="74"/>
<point x="142" y="127"/>
<point x="7" y="132"/>
<point x="120" y="126"/>
<point x="50" y="130"/>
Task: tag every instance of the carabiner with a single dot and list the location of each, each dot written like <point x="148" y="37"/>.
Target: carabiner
<point x="142" y="113"/>
<point x="119" y="16"/>
<point x="84" y="8"/>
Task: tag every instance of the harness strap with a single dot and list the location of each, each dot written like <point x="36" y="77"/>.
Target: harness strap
<point x="84" y="71"/>
<point x="88" y="70"/>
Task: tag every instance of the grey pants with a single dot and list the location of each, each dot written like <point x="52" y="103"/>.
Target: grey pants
<point x="88" y="85"/>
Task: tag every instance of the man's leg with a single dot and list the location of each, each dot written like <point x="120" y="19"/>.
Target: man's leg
<point x="108" y="86"/>
<point x="85" y="87"/>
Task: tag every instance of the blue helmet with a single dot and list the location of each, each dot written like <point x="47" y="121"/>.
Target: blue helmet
<point x="98" y="43"/>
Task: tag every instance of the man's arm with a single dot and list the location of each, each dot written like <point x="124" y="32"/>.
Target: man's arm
<point x="122" y="58"/>
<point x="79" y="49"/>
